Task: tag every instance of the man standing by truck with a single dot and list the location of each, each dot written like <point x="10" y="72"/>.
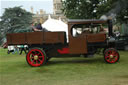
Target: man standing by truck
<point x="22" y="48"/>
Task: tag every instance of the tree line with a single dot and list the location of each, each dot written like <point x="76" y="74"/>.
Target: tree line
<point x="94" y="9"/>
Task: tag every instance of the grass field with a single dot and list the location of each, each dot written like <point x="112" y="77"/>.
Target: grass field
<point x="14" y="70"/>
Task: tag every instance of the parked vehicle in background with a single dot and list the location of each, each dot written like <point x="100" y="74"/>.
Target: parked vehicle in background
<point x="122" y="42"/>
<point x="11" y="49"/>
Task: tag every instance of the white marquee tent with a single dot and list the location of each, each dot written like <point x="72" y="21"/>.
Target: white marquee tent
<point x="54" y="25"/>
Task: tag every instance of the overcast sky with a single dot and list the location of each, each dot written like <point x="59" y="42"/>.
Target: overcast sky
<point x="46" y="5"/>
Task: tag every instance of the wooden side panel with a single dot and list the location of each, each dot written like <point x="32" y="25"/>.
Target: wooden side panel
<point x="53" y="37"/>
<point x="62" y="37"/>
<point x="101" y="37"/>
<point x="50" y="37"/>
<point x="8" y="36"/>
<point x="17" y="38"/>
<point x="34" y="38"/>
<point x="78" y="46"/>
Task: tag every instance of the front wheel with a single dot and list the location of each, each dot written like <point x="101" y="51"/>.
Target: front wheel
<point x="111" y="55"/>
<point x="36" y="57"/>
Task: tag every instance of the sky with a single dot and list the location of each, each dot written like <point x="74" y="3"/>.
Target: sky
<point x="46" y="5"/>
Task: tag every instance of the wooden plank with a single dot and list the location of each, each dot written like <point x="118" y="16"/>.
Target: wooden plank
<point x="34" y="37"/>
<point x="51" y="37"/>
<point x="100" y="37"/>
<point x="8" y="36"/>
<point x="17" y="38"/>
<point x="78" y="45"/>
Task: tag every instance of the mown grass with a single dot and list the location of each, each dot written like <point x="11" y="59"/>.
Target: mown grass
<point x="14" y="70"/>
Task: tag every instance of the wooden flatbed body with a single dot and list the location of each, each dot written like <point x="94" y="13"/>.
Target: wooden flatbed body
<point x="36" y="38"/>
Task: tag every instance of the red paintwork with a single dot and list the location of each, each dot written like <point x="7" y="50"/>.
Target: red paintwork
<point x="109" y="59"/>
<point x="30" y="57"/>
<point x="63" y="51"/>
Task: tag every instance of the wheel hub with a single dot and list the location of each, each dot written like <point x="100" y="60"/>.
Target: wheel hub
<point x="35" y="57"/>
<point x="111" y="56"/>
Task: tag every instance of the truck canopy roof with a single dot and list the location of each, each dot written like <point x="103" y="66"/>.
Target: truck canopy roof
<point x="86" y="21"/>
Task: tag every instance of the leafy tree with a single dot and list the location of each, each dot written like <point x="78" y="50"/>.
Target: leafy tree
<point x="104" y="7"/>
<point x="89" y="9"/>
<point x="122" y="17"/>
<point x="81" y="9"/>
<point x="14" y="19"/>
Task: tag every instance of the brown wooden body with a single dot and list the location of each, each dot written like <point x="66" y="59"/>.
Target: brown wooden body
<point x="36" y="38"/>
<point x="76" y="45"/>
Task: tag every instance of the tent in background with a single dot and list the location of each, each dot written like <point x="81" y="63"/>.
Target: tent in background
<point x="54" y="25"/>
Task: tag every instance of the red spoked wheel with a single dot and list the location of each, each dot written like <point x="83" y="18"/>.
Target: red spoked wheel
<point x="111" y="55"/>
<point x="36" y="57"/>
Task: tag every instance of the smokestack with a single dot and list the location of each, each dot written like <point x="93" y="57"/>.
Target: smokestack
<point x="110" y="26"/>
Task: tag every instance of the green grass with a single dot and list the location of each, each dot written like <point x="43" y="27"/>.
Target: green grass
<point x="14" y="70"/>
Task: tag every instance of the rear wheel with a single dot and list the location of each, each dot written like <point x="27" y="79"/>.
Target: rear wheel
<point x="111" y="55"/>
<point x="36" y="57"/>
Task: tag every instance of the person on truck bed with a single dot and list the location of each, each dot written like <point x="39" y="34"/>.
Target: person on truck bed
<point x="38" y="27"/>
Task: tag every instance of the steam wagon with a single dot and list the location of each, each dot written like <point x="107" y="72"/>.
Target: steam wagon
<point x="85" y="37"/>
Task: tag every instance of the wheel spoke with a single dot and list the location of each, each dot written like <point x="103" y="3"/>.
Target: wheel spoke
<point x="108" y="57"/>
<point x="40" y="56"/>
<point x="35" y="52"/>
<point x="109" y="52"/>
<point x="115" y="57"/>
<point x="33" y="61"/>
<point x="113" y="52"/>
<point x="32" y="54"/>
<point x="40" y="60"/>
<point x="112" y="60"/>
<point x="38" y="53"/>
<point x="32" y="57"/>
<point x="36" y="61"/>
